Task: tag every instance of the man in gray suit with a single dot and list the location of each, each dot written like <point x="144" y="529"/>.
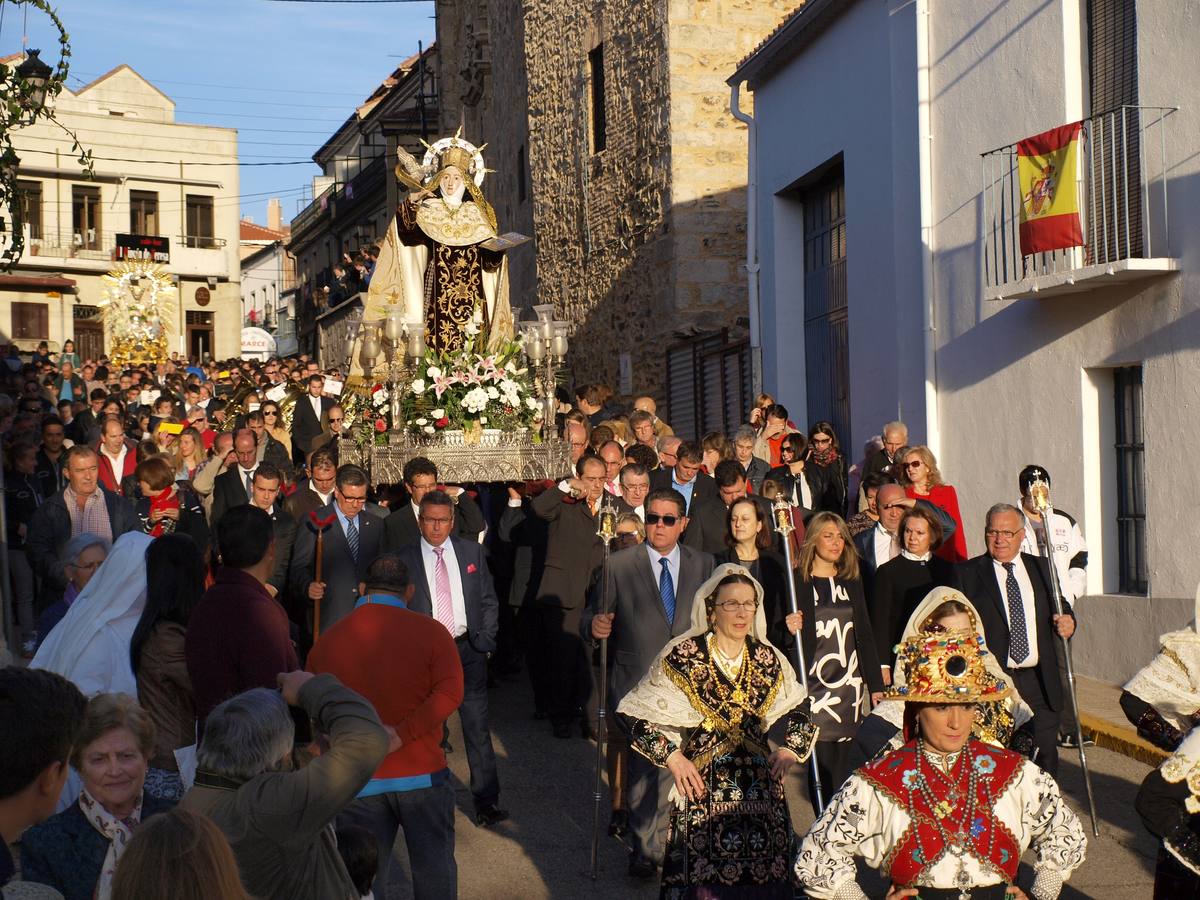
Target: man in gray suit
<point x="651" y="587"/>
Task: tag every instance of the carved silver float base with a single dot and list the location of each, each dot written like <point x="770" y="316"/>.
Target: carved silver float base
<point x="515" y="458"/>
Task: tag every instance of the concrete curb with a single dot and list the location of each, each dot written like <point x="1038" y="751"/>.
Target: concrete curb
<point x="1120" y="739"/>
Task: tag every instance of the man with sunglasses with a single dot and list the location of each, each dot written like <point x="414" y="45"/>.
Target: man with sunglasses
<point x="333" y="428"/>
<point x="1011" y="590"/>
<point x="651" y="587"/>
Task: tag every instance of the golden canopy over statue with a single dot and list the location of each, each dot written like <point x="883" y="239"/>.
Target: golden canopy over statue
<point x="442" y="261"/>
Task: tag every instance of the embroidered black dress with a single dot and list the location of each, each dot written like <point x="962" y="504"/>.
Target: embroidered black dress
<point x="736" y="841"/>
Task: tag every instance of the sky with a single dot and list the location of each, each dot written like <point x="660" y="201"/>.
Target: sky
<point x="285" y="74"/>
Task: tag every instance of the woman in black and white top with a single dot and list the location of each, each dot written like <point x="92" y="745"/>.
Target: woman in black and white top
<point x="844" y="678"/>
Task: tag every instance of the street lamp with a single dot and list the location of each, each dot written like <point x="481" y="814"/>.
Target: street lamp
<point x="36" y="74"/>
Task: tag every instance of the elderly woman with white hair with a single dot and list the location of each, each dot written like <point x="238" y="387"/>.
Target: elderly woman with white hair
<point x="81" y="557"/>
<point x="277" y="819"/>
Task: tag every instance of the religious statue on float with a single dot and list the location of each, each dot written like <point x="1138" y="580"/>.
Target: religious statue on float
<point x="443" y="262"/>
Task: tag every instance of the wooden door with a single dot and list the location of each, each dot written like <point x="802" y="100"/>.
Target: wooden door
<point x="89" y="339"/>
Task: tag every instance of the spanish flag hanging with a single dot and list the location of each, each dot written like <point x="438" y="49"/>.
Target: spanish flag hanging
<point x="1048" y="166"/>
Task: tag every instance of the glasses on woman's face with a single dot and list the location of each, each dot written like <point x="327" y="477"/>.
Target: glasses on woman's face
<point x="269" y="412"/>
<point x="735" y="605"/>
<point x="913" y="464"/>
<point x="791" y="451"/>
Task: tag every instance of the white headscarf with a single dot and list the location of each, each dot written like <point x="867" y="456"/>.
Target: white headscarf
<point x="657" y="700"/>
<point x="1171" y="681"/>
<point x="90" y="646"/>
<point x="893" y="710"/>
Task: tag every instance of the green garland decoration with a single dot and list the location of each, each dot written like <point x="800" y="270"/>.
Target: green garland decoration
<point x="16" y="97"/>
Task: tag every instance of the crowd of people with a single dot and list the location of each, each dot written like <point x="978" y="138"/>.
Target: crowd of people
<point x="240" y="654"/>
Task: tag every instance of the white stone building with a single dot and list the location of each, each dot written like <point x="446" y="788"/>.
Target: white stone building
<point x="155" y="179"/>
<point x="890" y="283"/>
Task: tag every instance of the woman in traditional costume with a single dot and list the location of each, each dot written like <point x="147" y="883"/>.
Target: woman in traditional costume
<point x="1169" y="804"/>
<point x="1001" y="724"/>
<point x="1162" y="699"/>
<point x="703" y="712"/>
<point x="945" y="817"/>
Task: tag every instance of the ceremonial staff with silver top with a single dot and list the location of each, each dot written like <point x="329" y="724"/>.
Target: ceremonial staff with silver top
<point x="1039" y="492"/>
<point x="784" y="526"/>
<point x="606" y="530"/>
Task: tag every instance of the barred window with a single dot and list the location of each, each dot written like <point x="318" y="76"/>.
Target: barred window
<point x="1133" y="574"/>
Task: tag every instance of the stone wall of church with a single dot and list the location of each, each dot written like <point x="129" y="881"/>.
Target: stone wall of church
<point x="644" y="239"/>
<point x="604" y="247"/>
<point x="482" y="66"/>
<point x="707" y="40"/>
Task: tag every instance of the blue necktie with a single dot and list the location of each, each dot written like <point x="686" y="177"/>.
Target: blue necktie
<point x="666" y="590"/>
<point x="352" y="538"/>
<point x="1018" y="635"/>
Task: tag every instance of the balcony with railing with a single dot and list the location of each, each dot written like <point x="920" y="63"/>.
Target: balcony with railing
<point x="1122" y="190"/>
<point x="336" y="330"/>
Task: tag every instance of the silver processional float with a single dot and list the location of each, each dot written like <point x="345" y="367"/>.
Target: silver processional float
<point x="1039" y="493"/>
<point x="783" y="525"/>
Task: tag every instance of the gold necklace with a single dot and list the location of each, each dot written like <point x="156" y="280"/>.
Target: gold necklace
<point x="740" y="678"/>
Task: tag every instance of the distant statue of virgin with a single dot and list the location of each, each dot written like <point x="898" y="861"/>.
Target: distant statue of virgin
<point x="442" y="259"/>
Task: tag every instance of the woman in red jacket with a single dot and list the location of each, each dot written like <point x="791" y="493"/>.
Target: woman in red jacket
<point x="922" y="480"/>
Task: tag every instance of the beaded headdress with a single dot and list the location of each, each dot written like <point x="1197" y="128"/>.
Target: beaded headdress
<point x="946" y="668"/>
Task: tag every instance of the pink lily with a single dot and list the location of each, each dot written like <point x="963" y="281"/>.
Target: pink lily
<point x="443" y="383"/>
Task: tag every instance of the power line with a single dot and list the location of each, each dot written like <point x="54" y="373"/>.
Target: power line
<point x="174" y="205"/>
<point x="176" y="162"/>
<point x="172" y="137"/>
<point x="214" y="100"/>
<point x="89" y="144"/>
<point x="231" y="87"/>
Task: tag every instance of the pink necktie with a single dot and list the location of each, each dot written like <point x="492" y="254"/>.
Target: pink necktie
<point x="441" y="580"/>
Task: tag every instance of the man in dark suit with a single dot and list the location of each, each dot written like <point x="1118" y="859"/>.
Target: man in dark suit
<point x="1011" y="591"/>
<point x="306" y="417"/>
<point x="267" y="481"/>
<point x="453" y="585"/>
<point x="685" y="476"/>
<point x="883" y="460"/>
<point x="316" y="490"/>
<point x="350" y="545"/>
<point x="235" y="485"/>
<point x="707" y="520"/>
<point x="400" y="528"/>
<point x="651" y="588"/>
<point x="573" y="554"/>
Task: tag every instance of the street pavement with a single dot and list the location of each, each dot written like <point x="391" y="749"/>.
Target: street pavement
<point x="543" y="850"/>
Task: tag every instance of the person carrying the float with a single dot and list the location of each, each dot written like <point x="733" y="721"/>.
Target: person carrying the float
<point x="945" y="817"/>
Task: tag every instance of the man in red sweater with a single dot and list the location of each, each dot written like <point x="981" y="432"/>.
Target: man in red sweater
<point x="408" y="666"/>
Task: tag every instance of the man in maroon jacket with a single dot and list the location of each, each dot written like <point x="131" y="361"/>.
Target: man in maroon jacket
<point x="239" y="637"/>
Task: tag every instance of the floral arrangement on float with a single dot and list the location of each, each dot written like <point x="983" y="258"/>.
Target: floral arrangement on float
<point x="457" y="397"/>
